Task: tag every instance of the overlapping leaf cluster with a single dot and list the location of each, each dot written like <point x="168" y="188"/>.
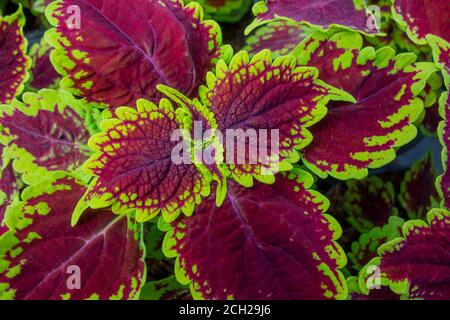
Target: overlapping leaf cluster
<point x="92" y="199"/>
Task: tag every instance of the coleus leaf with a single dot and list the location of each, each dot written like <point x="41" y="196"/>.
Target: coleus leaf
<point x="267" y="242"/>
<point x="261" y="94"/>
<point x="394" y="36"/>
<point x="43" y="74"/>
<point x="337" y="196"/>
<point x="42" y="256"/>
<point x="133" y="167"/>
<point x="418" y="192"/>
<point x="417" y="265"/>
<point x="423" y="18"/>
<point x="369" y="202"/>
<point x="10" y="184"/>
<point x="225" y="10"/>
<point x="365" y="249"/>
<point x="355" y="293"/>
<point x="44" y="133"/>
<point x="443" y="181"/>
<point x="441" y="54"/>
<point x="426" y="21"/>
<point x="280" y="37"/>
<point x="165" y="289"/>
<point x="148" y="43"/>
<point x="14" y="63"/>
<point x="323" y="14"/>
<point x="363" y="134"/>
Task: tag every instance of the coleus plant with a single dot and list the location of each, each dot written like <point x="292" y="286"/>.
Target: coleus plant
<point x="94" y="206"/>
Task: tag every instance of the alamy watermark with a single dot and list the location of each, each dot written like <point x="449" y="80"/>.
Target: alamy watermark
<point x="233" y="146"/>
<point x="373" y="280"/>
<point x="73" y="22"/>
<point x="373" y="17"/>
<point x="74" y="279"/>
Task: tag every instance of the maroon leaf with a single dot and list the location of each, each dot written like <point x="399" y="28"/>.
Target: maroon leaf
<point x="441" y="54"/>
<point x="423" y="17"/>
<point x="44" y="133"/>
<point x="357" y="136"/>
<point x="268" y="242"/>
<point x="280" y="37"/>
<point x="116" y="59"/>
<point x="133" y="167"/>
<point x="43" y="73"/>
<point x="416" y="266"/>
<point x="43" y="257"/>
<point x="369" y="202"/>
<point x="14" y="63"/>
<point x="443" y="181"/>
<point x="426" y="22"/>
<point x="10" y="184"/>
